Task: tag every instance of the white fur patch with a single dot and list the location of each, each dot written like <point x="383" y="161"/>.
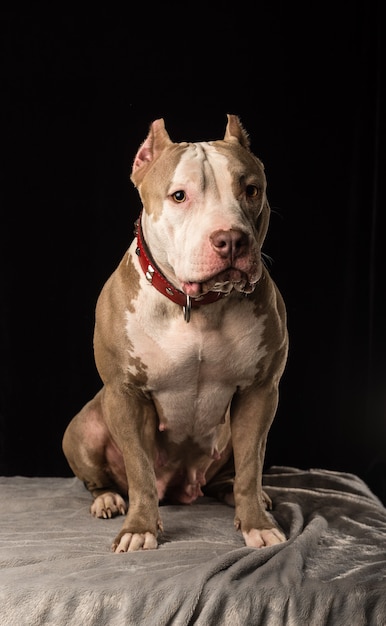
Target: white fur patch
<point x="194" y="369"/>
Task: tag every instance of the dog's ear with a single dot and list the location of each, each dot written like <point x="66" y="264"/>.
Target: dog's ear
<point x="151" y="148"/>
<point x="236" y="132"/>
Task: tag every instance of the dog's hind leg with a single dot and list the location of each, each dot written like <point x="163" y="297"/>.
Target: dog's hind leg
<point x="95" y="460"/>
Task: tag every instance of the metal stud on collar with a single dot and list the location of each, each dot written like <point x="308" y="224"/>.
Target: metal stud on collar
<point x="187" y="309"/>
<point x="149" y="274"/>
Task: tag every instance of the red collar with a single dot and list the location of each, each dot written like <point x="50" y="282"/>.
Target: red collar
<point x="158" y="280"/>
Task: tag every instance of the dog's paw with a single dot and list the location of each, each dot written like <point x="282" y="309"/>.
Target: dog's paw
<point x="255" y="538"/>
<point x="108" y="505"/>
<point x="132" y="542"/>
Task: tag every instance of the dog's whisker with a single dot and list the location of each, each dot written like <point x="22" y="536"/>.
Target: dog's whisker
<point x="267" y="259"/>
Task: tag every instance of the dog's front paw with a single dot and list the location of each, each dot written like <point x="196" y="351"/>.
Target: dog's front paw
<point x="255" y="538"/>
<point x="132" y="542"/>
<point x="108" y="505"/>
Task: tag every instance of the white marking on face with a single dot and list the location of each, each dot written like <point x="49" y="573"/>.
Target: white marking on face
<point x="180" y="242"/>
<point x="210" y="206"/>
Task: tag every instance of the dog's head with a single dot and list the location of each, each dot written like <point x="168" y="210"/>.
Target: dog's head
<point x="205" y="211"/>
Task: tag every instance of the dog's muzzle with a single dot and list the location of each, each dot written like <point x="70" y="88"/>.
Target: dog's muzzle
<point x="155" y="277"/>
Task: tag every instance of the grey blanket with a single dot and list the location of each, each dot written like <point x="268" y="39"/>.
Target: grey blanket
<point x="57" y="568"/>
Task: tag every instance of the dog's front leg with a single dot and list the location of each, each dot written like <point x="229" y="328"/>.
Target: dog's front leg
<point x="132" y="423"/>
<point x="252" y="413"/>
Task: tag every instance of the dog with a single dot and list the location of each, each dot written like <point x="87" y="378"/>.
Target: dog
<point x="190" y="343"/>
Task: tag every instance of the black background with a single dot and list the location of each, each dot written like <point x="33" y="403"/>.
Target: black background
<point x="79" y="90"/>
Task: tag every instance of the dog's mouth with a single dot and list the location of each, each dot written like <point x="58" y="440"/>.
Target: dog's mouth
<point x="223" y="282"/>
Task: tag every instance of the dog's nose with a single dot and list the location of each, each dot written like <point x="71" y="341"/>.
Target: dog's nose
<point x="229" y="243"/>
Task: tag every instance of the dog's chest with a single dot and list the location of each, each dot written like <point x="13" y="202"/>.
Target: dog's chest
<point x="193" y="370"/>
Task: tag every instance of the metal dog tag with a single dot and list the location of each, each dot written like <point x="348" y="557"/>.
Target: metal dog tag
<point x="187" y="308"/>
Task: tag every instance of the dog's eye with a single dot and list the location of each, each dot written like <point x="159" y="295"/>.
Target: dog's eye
<point x="179" y="196"/>
<point x="252" y="191"/>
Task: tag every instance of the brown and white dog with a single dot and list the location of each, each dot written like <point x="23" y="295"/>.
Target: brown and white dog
<point x="190" y="343"/>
